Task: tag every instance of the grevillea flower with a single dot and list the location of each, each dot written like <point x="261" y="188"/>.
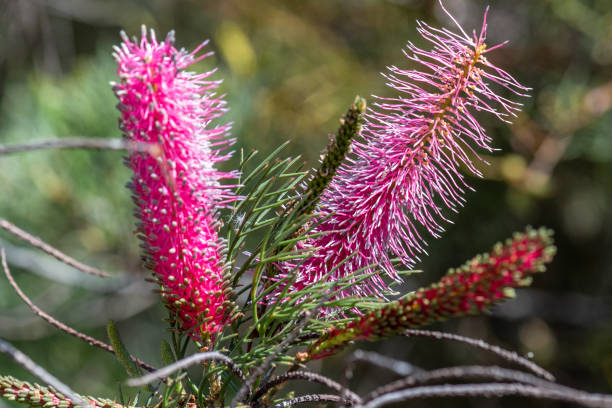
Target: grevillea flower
<point x="470" y="289"/>
<point x="404" y="176"/>
<point x="175" y="187"/>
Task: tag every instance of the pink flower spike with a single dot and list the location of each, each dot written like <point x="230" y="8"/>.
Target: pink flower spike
<point x="480" y="283"/>
<point x="176" y="188"/>
<point x="404" y="176"/>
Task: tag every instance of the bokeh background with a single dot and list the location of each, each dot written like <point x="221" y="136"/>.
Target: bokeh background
<point x="290" y="70"/>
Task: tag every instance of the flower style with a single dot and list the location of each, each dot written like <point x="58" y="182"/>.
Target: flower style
<point x="175" y="187"/>
<point x="404" y="173"/>
<point x="474" y="287"/>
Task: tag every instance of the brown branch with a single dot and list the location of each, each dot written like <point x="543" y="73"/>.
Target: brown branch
<point x="56" y="323"/>
<point x="56" y="253"/>
<point x="493" y="390"/>
<point x="397" y="366"/>
<point x="492" y="373"/>
<point x="311" y="377"/>
<point x="310" y="398"/>
<point x="77" y="143"/>
<point x="507" y="355"/>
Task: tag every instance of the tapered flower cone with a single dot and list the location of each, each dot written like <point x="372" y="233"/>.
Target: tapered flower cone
<point x="175" y="186"/>
<point x="404" y="177"/>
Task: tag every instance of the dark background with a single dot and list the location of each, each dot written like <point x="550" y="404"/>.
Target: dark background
<point x="291" y="68"/>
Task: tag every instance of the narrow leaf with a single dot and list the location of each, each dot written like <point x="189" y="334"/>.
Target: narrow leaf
<point x="120" y="351"/>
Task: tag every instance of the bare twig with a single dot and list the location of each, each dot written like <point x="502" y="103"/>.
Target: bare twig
<point x="309" y="398"/>
<point x="312" y="377"/>
<point x="77" y="143"/>
<point x="462" y="373"/>
<point x="36" y="370"/>
<point x="38" y="243"/>
<point x="397" y="366"/>
<point x="507" y="355"/>
<point x="493" y="390"/>
<point x="56" y="323"/>
<point x="185" y="363"/>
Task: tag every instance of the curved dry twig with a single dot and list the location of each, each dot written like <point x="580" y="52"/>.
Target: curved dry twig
<point x="42" y="374"/>
<point x="507" y="355"/>
<point x="493" y="390"/>
<point x="399" y="367"/>
<point x="185" y="363"/>
<point x="77" y="143"/>
<point x="309" y="398"/>
<point x="56" y="323"/>
<point x="491" y="373"/>
<point x="56" y="253"/>
<point x="307" y="376"/>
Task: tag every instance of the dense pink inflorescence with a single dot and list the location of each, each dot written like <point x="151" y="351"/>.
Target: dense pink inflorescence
<point x="476" y="286"/>
<point x="175" y="187"/>
<point x="404" y="176"/>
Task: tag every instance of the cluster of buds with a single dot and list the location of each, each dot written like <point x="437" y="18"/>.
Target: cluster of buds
<point x="35" y="395"/>
<point x="477" y="285"/>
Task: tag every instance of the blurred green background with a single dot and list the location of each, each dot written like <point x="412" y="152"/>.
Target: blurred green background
<point x="290" y="70"/>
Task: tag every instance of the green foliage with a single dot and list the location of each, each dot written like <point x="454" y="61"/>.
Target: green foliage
<point x="120" y="351"/>
<point x="166" y="352"/>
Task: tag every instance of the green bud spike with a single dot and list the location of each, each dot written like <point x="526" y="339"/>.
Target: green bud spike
<point x="350" y="126"/>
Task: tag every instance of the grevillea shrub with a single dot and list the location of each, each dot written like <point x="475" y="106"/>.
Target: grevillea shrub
<point x="267" y="267"/>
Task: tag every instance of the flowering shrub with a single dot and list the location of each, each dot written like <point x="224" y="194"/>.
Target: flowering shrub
<point x="332" y="240"/>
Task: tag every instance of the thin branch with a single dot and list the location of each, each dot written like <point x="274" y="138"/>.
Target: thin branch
<point x="312" y="377"/>
<point x="42" y="374"/>
<point x="507" y="355"/>
<point x="56" y="323"/>
<point x="307" y="337"/>
<point x="462" y="373"/>
<point x="309" y="398"/>
<point x="77" y="143"/>
<point x="56" y="253"/>
<point x="397" y="366"/>
<point x="185" y="363"/>
<point x="493" y="390"/>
